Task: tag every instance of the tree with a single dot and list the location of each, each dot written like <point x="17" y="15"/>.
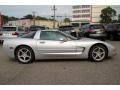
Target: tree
<point x="107" y="14"/>
<point x="29" y="16"/>
<point x="66" y="20"/>
<point x="7" y="18"/>
<point x="13" y="18"/>
<point x="41" y="18"/>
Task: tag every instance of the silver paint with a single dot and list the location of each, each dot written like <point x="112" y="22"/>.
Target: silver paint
<point x="48" y="49"/>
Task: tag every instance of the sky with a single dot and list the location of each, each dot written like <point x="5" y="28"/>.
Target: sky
<point x="41" y="10"/>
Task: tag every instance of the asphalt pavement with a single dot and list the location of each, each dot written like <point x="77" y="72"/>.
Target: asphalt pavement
<point x="61" y="72"/>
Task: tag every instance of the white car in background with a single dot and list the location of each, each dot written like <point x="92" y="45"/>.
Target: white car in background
<point x="10" y="32"/>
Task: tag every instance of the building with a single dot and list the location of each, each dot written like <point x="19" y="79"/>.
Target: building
<point x="1" y="20"/>
<point x="89" y="13"/>
<point x="28" y="23"/>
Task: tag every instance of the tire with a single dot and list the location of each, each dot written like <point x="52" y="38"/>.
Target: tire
<point x="24" y="55"/>
<point x="98" y="53"/>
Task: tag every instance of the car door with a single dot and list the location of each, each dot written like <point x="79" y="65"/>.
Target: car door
<point x="53" y="44"/>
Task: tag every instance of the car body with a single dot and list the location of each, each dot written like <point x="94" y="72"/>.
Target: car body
<point x="10" y="32"/>
<point x="54" y="44"/>
<point x="35" y="28"/>
<point x="96" y="31"/>
<point x="113" y="31"/>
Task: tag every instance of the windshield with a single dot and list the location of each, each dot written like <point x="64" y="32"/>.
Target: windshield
<point x="9" y="29"/>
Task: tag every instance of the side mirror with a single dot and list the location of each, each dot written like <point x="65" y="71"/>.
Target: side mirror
<point x="63" y="40"/>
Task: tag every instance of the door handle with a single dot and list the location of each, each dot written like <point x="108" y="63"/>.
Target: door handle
<point x="42" y="42"/>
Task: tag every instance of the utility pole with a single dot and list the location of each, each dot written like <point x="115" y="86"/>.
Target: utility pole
<point x="34" y="18"/>
<point x="54" y="15"/>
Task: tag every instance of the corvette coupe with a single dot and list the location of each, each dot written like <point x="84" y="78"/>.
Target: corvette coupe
<point x="54" y="44"/>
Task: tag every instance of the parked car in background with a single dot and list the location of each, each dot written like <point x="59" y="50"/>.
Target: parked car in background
<point x="113" y="31"/>
<point x="69" y="29"/>
<point x="54" y="44"/>
<point x="10" y="32"/>
<point x="96" y="31"/>
<point x="35" y="28"/>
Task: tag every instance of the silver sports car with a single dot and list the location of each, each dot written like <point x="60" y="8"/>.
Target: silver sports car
<point x="54" y="44"/>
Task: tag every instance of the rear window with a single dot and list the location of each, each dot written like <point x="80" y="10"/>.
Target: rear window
<point x="97" y="27"/>
<point x="9" y="29"/>
<point x="29" y="35"/>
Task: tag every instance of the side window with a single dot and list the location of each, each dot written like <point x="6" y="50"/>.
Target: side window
<point x="60" y="36"/>
<point x="48" y="35"/>
<point x="51" y="35"/>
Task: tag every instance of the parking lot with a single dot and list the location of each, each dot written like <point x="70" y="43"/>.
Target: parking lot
<point x="61" y="71"/>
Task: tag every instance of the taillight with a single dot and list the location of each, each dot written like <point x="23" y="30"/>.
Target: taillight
<point x="15" y="33"/>
<point x="0" y="34"/>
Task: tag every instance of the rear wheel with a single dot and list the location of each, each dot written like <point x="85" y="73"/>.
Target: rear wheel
<point x="24" y="54"/>
<point x="98" y="53"/>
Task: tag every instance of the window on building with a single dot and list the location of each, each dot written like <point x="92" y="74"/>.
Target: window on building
<point x="77" y="16"/>
<point x="76" y="6"/>
<point x="77" y="11"/>
<point x="86" y="11"/>
<point x="85" y="6"/>
<point x="85" y="15"/>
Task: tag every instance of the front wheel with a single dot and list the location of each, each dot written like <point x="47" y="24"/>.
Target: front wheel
<point x="24" y="55"/>
<point x="98" y="53"/>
